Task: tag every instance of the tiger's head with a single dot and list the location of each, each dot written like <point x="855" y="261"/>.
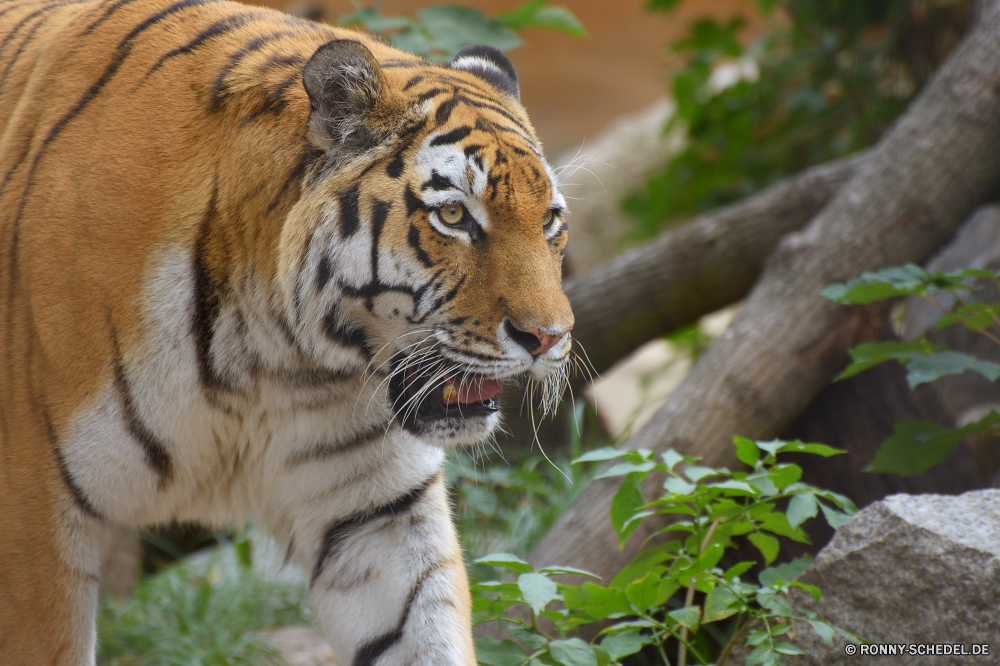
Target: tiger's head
<point x="433" y="233"/>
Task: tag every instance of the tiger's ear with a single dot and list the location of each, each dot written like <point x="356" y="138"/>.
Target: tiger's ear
<point x="490" y="64"/>
<point x="351" y="108"/>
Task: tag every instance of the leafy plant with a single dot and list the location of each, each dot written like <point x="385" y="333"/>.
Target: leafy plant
<point x="438" y="32"/>
<point x="916" y="446"/>
<point x="681" y="593"/>
<point x="828" y="79"/>
<point x="203" y="611"/>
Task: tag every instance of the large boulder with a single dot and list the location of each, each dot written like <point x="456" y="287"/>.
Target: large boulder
<point x="911" y="570"/>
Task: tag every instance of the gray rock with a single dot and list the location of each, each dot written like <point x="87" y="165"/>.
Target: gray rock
<point x="910" y="570"/>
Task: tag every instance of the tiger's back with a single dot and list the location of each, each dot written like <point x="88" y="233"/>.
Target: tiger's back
<point x="224" y="229"/>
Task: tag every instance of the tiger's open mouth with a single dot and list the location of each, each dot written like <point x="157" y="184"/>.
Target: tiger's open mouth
<point x="432" y="395"/>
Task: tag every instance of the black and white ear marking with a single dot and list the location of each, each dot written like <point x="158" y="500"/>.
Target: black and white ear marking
<point x="489" y="64"/>
<point x="344" y="83"/>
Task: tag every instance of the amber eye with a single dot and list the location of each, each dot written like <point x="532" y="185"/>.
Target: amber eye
<point x="548" y="218"/>
<point x="452" y="214"/>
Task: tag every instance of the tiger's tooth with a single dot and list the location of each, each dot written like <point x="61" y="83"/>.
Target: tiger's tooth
<point x="450" y="392"/>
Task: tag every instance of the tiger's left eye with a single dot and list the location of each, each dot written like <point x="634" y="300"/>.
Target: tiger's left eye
<point x="548" y="219"/>
<point x="452" y="214"/>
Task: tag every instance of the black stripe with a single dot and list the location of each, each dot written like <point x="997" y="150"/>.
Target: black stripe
<point x="13" y="58"/>
<point x="372" y="650"/>
<point x="75" y="491"/>
<point x="274" y="101"/>
<point x="413" y="238"/>
<point x="443" y="112"/>
<point x="294" y="176"/>
<point x="413" y="203"/>
<point x="454" y="290"/>
<point x="107" y="14"/>
<point x="350" y="218"/>
<point x="413" y="81"/>
<point x="344" y="334"/>
<point x="454" y="136"/>
<point x="235" y="58"/>
<point x="339" y="531"/>
<point x="220" y="27"/>
<point x="155" y="450"/>
<point x="328" y="449"/>
<point x="208" y="298"/>
<point x="437" y="182"/>
<point x="323" y="272"/>
<point x="380" y="213"/>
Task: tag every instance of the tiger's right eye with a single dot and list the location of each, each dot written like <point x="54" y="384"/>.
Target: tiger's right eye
<point x="452" y="214"/>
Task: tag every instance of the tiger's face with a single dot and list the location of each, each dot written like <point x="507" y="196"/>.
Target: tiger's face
<point x="435" y="238"/>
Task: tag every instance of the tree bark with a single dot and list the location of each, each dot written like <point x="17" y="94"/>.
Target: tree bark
<point x="939" y="161"/>
<point x="694" y="269"/>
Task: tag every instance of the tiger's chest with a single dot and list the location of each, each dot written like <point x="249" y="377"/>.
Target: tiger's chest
<point x="162" y="442"/>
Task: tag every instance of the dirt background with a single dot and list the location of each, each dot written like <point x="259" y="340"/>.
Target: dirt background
<point x="574" y="87"/>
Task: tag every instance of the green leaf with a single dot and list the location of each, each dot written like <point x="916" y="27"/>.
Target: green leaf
<point x="737" y="569"/>
<point x="678" y="486"/>
<point x="924" y="368"/>
<point x="564" y="571"/>
<point x="869" y="354"/>
<point x="572" y="652"/>
<point x="767" y="545"/>
<point x="643" y="593"/>
<point x="786" y="572"/>
<point x="811" y="589"/>
<point x="746" y="451"/>
<point x="624" y="505"/>
<point x="720" y="603"/>
<point x="606" y="453"/>
<point x="916" y="446"/>
<point x="505" y="561"/>
<point x="598" y="602"/>
<point x="908" y="280"/>
<point x="801" y="508"/>
<point x="536" y="14"/>
<point x="823" y="630"/>
<point x="671" y="458"/>
<point x="453" y="28"/>
<point x="787" y="648"/>
<point x="537" y="590"/>
<point x="833" y="517"/>
<point x="762" y="482"/>
<point x="530" y="639"/>
<point x="689" y="617"/>
<point x="624" y="643"/>
<point x="696" y="473"/>
<point x="623" y="468"/>
<point x="804" y="447"/>
<point x="499" y="652"/>
<point x="785" y="475"/>
<point x="370" y="18"/>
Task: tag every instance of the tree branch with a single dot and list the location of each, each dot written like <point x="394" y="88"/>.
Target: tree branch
<point x="938" y="162"/>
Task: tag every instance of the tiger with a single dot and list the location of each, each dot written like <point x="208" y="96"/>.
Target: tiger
<point x="259" y="268"/>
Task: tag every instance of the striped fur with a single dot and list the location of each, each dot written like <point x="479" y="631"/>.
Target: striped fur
<point x="229" y="288"/>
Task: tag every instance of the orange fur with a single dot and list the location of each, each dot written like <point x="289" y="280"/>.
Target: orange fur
<point x="115" y="148"/>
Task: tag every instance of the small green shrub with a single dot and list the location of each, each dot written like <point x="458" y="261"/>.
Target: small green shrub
<point x="200" y="613"/>
<point x="916" y="446"/>
<point x="682" y="592"/>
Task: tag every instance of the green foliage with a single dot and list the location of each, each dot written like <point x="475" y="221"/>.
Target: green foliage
<point x="916" y="446"/>
<point x="200" y="612"/>
<point x="679" y="592"/>
<point x="827" y="81"/>
<point x="438" y="32"/>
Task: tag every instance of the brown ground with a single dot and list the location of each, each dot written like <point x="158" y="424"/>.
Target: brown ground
<point x="574" y="87"/>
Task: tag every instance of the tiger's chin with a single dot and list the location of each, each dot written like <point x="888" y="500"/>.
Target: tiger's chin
<point x="445" y="409"/>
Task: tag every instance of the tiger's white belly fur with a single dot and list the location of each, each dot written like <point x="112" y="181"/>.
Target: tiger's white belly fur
<point x="296" y="458"/>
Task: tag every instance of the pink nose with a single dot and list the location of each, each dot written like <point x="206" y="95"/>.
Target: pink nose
<point x="545" y="341"/>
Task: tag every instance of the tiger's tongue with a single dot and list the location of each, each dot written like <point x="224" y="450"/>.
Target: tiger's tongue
<point x="469" y="390"/>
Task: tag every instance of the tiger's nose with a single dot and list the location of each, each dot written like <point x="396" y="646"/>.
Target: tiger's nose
<point x="533" y="339"/>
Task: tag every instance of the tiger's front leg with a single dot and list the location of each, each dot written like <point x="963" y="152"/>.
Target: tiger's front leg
<point x="387" y="579"/>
